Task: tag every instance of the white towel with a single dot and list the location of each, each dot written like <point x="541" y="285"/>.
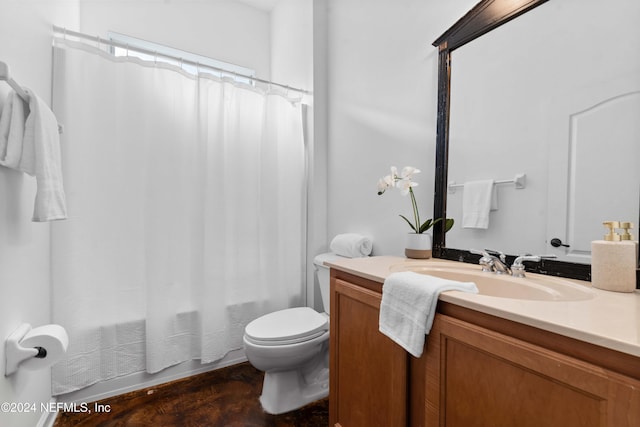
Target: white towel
<point x="351" y="245"/>
<point x="478" y="199"/>
<point x="33" y="146"/>
<point x="409" y="306"/>
<point x="12" y="131"/>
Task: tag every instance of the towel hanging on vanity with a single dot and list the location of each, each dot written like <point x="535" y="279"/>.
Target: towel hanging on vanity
<point x="408" y="306"/>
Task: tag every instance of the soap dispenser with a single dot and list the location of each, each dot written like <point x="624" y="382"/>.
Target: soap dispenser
<point x="627" y="236"/>
<point x="614" y="259"/>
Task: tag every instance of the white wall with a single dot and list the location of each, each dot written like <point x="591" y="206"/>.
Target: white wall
<point x="226" y="30"/>
<point x="293" y="55"/>
<point x="25" y="45"/>
<point x="382" y="110"/>
<point x="291" y="23"/>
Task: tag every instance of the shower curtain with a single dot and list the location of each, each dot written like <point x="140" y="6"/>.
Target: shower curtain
<point x="186" y="213"/>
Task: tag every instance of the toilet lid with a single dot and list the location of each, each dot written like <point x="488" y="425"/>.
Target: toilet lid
<point x="291" y="324"/>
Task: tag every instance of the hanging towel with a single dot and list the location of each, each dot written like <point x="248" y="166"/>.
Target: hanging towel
<point x="33" y="147"/>
<point x="478" y="199"/>
<point x="351" y="245"/>
<point x="408" y="306"/>
<point x="12" y="131"/>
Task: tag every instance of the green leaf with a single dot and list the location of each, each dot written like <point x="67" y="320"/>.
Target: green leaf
<point x="428" y="224"/>
<point x="409" y="222"/>
<point x="448" y="224"/>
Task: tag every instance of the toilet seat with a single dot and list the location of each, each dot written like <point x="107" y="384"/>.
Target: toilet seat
<point x="289" y="326"/>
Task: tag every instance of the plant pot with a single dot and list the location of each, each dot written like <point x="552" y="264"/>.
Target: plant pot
<point x="418" y="246"/>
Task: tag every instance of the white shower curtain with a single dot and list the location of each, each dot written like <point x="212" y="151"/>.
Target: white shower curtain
<point x="186" y="214"/>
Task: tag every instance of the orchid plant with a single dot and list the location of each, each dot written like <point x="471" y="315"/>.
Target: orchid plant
<point x="404" y="182"/>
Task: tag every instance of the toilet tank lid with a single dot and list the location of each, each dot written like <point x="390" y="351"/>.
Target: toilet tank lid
<point x="329" y="256"/>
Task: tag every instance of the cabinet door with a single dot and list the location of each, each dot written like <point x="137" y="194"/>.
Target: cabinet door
<point x="368" y="384"/>
<point x="478" y="377"/>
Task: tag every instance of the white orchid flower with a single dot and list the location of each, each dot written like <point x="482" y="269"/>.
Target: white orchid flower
<point x="384" y="184"/>
<point x="394" y="173"/>
<point x="404" y="185"/>
<point x="408" y="172"/>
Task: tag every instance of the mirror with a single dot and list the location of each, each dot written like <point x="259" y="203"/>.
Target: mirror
<point x="513" y="103"/>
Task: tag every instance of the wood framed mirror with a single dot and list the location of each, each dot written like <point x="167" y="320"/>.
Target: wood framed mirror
<point x="483" y="18"/>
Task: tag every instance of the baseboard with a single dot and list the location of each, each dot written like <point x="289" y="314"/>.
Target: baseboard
<point x="47" y="419"/>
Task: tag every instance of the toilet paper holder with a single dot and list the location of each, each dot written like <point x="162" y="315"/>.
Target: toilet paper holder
<point x="15" y="353"/>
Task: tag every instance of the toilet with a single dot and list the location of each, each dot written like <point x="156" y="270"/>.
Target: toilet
<point x="291" y="346"/>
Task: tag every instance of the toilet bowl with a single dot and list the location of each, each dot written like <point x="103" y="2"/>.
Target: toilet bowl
<point x="291" y="346"/>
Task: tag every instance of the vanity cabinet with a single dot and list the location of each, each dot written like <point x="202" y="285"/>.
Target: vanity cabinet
<point x="368" y="372"/>
<point x="476" y="370"/>
<point x="474" y="376"/>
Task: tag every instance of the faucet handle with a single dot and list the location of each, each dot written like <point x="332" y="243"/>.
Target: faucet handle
<point x="527" y="257"/>
<point x="502" y="255"/>
<point x="486" y="261"/>
<point x="518" y="267"/>
<point x="478" y="252"/>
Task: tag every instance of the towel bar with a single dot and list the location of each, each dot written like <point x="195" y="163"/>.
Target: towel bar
<point x="520" y="181"/>
<point x="4" y="75"/>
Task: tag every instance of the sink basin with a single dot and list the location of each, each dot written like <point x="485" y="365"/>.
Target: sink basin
<point x="534" y="287"/>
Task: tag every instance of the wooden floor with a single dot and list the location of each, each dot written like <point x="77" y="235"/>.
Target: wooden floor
<point x="226" y="397"/>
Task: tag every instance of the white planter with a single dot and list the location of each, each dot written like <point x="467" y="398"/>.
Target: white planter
<point x="418" y="246"/>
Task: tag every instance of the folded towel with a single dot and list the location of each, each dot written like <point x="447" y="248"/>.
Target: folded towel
<point x="12" y="122"/>
<point x="31" y="145"/>
<point x="351" y="245"/>
<point x="477" y="200"/>
<point x="408" y="306"/>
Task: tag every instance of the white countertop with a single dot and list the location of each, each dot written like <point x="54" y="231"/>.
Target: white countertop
<point x="609" y="319"/>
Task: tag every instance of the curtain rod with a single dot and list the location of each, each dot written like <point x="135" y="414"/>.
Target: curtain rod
<point x="114" y="43"/>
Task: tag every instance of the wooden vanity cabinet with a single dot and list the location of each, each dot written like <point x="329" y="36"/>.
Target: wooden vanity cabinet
<point x="368" y="372"/>
<point x="477" y="370"/>
<point x="474" y="376"/>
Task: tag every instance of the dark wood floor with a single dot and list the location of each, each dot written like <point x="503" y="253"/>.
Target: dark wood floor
<point x="226" y="397"/>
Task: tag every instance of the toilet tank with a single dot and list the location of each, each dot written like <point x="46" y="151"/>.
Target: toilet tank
<point x="323" y="276"/>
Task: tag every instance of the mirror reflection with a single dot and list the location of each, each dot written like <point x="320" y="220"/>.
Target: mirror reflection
<point x="553" y="95"/>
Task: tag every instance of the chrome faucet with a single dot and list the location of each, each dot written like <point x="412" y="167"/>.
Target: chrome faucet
<point x="518" y="267"/>
<point x="491" y="263"/>
<point x="496" y="262"/>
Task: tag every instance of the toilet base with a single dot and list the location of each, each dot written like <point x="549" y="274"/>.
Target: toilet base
<point x="284" y="391"/>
